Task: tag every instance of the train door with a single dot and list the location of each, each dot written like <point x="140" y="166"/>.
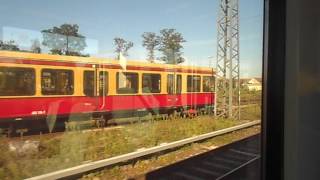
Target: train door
<point x="90" y="87"/>
<point x="174" y="86"/>
<point x="96" y="87"/>
<point x="102" y="89"/>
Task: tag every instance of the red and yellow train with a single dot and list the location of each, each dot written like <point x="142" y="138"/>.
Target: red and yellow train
<point x="38" y="88"/>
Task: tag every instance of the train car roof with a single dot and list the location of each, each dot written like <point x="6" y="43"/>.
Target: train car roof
<point x="93" y="60"/>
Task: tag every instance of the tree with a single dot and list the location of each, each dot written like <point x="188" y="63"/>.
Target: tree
<point x="150" y="42"/>
<point x="171" y="45"/>
<point x="64" y="40"/>
<point x="122" y="46"/>
<point x="35" y="47"/>
<point x="9" y="45"/>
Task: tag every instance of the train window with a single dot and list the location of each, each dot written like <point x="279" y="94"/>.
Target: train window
<point x="179" y="84"/>
<point x="88" y="83"/>
<point x="103" y="83"/>
<point x="127" y="83"/>
<point x="17" y="81"/>
<point x="57" y="82"/>
<point x="193" y="83"/>
<point x="170" y="83"/>
<point x="151" y="83"/>
<point x="208" y="84"/>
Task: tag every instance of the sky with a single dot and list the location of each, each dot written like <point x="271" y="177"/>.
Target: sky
<point x="100" y="21"/>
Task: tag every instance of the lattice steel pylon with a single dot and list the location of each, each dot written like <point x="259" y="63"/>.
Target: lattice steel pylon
<point x="227" y="86"/>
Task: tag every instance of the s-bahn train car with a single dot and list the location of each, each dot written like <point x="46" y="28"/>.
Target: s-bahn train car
<point x="37" y="90"/>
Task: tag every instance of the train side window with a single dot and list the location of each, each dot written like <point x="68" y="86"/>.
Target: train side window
<point x="193" y="83"/>
<point x="170" y="83"/>
<point x="127" y="83"/>
<point x="151" y="83"/>
<point x="208" y="84"/>
<point x="103" y="83"/>
<point x="88" y="83"/>
<point x="179" y="84"/>
<point x="17" y="81"/>
<point x="57" y="82"/>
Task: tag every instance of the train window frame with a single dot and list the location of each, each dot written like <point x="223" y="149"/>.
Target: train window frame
<point x="106" y="83"/>
<point x="171" y="91"/>
<point x="203" y="83"/>
<point x="33" y="92"/>
<point x="84" y="83"/>
<point x="57" y="94"/>
<point x="119" y="91"/>
<point x="152" y="90"/>
<point x="193" y="90"/>
<point x="178" y="90"/>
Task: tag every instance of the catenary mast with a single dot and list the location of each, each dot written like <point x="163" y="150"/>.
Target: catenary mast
<point x="227" y="84"/>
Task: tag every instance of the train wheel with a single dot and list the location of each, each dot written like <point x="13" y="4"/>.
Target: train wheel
<point x="101" y="122"/>
<point x="10" y="130"/>
<point x="150" y="116"/>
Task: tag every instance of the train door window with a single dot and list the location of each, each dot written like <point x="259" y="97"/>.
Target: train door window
<point x="127" y="83"/>
<point x="57" y="82"/>
<point x="193" y="83"/>
<point x="151" y="83"/>
<point x="208" y="84"/>
<point x="88" y="83"/>
<point x="170" y="83"/>
<point x="179" y="84"/>
<point x="103" y="83"/>
<point x="17" y="81"/>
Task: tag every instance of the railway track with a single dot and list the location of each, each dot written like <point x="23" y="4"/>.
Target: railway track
<point x="221" y="163"/>
<point x="148" y="152"/>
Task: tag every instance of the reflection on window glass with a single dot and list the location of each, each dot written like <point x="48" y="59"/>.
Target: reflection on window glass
<point x="17" y="81"/>
<point x="127" y="83"/>
<point x="193" y="83"/>
<point x="88" y="83"/>
<point x="127" y="75"/>
<point x="103" y="83"/>
<point x="56" y="82"/>
<point x="208" y="84"/>
<point x="151" y="83"/>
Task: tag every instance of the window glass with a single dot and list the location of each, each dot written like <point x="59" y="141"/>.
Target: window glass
<point x="193" y="83"/>
<point x="170" y="83"/>
<point x="151" y="83"/>
<point x="88" y="83"/>
<point x="56" y="82"/>
<point x="208" y="84"/>
<point x="103" y="83"/>
<point x="179" y="84"/>
<point x="17" y="81"/>
<point x="127" y="83"/>
<point x="112" y="77"/>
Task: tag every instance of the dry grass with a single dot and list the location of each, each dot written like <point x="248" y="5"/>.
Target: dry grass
<point x="74" y="148"/>
<point x="141" y="167"/>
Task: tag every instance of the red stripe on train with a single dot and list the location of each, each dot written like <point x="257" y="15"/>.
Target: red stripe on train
<point x="21" y="107"/>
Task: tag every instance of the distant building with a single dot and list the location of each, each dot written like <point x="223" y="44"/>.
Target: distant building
<point x="252" y="84"/>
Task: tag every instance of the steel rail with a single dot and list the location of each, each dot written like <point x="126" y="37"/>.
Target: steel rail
<point x="139" y="153"/>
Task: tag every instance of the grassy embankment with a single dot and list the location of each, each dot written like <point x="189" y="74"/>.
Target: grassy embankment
<point x="75" y="148"/>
